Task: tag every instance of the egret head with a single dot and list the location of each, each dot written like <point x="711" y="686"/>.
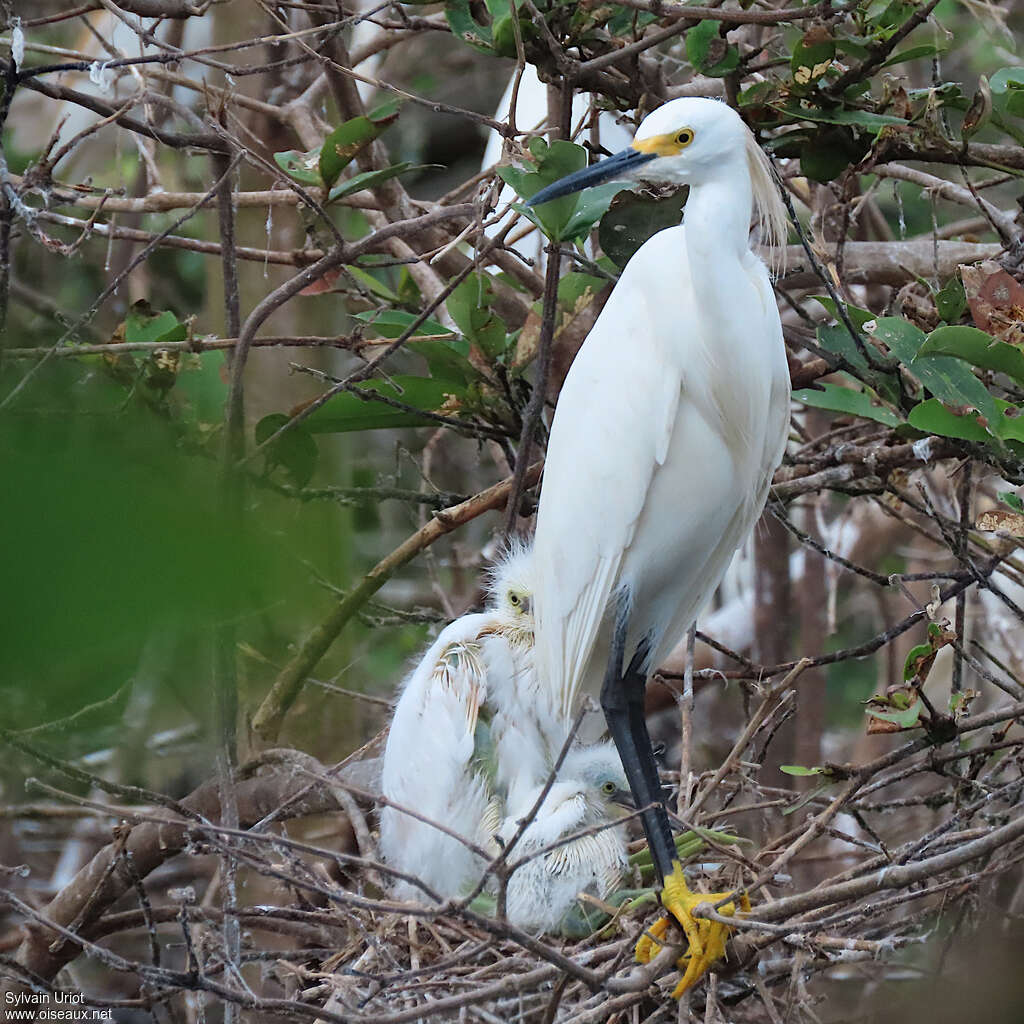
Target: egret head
<point x="598" y="769"/>
<point x="687" y="142"/>
<point x="511" y="590"/>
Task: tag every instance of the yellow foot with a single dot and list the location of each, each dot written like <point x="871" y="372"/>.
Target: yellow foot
<point x="706" y="938"/>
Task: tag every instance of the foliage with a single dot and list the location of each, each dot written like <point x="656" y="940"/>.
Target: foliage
<point x="181" y="534"/>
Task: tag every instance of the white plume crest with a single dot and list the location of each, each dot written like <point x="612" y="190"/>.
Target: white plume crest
<point x="769" y="209"/>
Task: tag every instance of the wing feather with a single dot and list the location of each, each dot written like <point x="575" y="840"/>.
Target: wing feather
<point x="629" y="384"/>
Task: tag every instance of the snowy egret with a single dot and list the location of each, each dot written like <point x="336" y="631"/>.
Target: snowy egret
<point x="470" y="735"/>
<point x="668" y="428"/>
<point x="589" y="787"/>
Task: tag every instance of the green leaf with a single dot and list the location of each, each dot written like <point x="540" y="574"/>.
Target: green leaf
<point x="912" y="658"/>
<point x="303" y="167"/>
<point x="368" y="179"/>
<point x="373" y="284"/>
<point x="947" y="379"/>
<point x="142" y="324"/>
<point x="295" y="450"/>
<point x="809" y="62"/>
<point x="976" y="347"/>
<point x="933" y="417"/>
<point x="859" y="118"/>
<point x="591" y="207"/>
<point x="800" y="771"/>
<point x="632" y="219"/>
<point x="462" y="23"/>
<point x="708" y="52"/>
<point x="904" y="719"/>
<point x="447" y="361"/>
<point x="1007" y="87"/>
<point x="390" y="323"/>
<point x="570" y="217"/>
<point x="914" y="52"/>
<point x="468" y="302"/>
<point x="1011" y="498"/>
<point x="347" y="412"/>
<point x="349" y="139"/>
<point x="842" y="399"/>
<point x="825" y="154"/>
<point x="859" y="317"/>
<point x="951" y="300"/>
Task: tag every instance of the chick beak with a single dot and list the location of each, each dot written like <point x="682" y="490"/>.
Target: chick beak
<point x="624" y="798"/>
<point x="621" y="165"/>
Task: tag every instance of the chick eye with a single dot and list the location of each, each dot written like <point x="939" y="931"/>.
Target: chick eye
<point x="608" y="788"/>
<point x="685" y="137"/>
<point x="514" y="599"/>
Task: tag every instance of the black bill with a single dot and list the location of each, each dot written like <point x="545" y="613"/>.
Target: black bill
<point x="621" y="165"/>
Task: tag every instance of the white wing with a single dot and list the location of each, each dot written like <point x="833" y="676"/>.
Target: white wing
<point x="662" y="447"/>
<point x="428" y="762"/>
<point x="619" y="399"/>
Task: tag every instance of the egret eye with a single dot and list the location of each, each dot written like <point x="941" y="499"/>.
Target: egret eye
<point x="685" y="137"/>
<point x="608" y="788"/>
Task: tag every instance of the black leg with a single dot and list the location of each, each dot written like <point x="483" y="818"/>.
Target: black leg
<point x="622" y="700"/>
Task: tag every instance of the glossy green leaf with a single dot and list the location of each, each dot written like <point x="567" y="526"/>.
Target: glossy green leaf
<point x="708" y="52"/>
<point x="632" y="219"/>
<point x="951" y="300"/>
<point x="591" y="207"/>
<point x="935" y="418"/>
<point x="904" y="719"/>
<point x="462" y="23"/>
<point x="347" y="140"/>
<point x="949" y="380"/>
<point x="858" y="118"/>
<point x="910" y="663"/>
<point x="302" y="167"/>
<point x="347" y="412"/>
<point x="368" y="179"/>
<point x="143" y="325"/>
<point x="390" y="323"/>
<point x="810" y="61"/>
<point x="977" y="348"/>
<point x="447" y="361"/>
<point x="914" y="53"/>
<point x="469" y="304"/>
<point x="800" y="771"/>
<point x="826" y="153"/>
<point x="836" y="398"/>
<point x="1007" y="87"/>
<point x="570" y="217"/>
<point x="859" y="317"/>
<point x="576" y="286"/>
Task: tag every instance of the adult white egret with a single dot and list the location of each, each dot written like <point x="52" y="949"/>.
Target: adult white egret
<point x="590" y="784"/>
<point x="668" y="428"/>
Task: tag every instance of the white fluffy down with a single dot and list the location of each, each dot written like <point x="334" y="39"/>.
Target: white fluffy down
<point x="545" y="888"/>
<point x="473" y="739"/>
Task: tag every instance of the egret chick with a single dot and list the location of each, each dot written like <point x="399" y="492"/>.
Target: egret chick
<point x="464" y="735"/>
<point x="587" y="792"/>
<point x="668" y="429"/>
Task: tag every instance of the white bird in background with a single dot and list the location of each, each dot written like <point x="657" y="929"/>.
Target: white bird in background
<point x="668" y="428"/>
<point x="545" y="888"/>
